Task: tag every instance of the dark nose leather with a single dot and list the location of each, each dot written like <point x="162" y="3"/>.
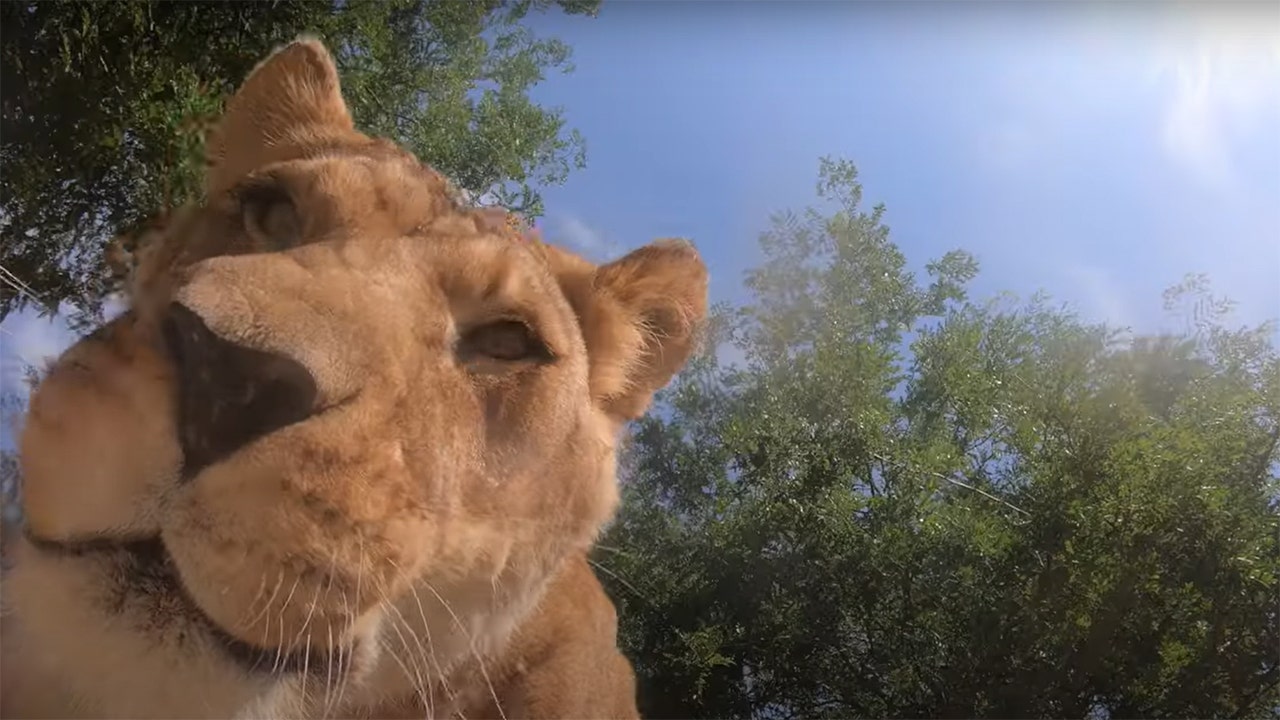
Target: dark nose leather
<point x="229" y="395"/>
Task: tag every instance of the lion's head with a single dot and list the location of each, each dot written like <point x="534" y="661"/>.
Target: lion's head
<point x="345" y="437"/>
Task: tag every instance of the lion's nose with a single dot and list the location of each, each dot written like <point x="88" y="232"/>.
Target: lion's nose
<point x="229" y="395"/>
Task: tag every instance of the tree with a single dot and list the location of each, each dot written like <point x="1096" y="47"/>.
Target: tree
<point x="907" y="503"/>
<point x="105" y="106"/>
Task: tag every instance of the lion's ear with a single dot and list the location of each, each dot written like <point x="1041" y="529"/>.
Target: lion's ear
<point x="290" y="101"/>
<point x="645" y="314"/>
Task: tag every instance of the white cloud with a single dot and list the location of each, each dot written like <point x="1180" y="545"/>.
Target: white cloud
<point x="1203" y="79"/>
<point x="1105" y="299"/>
<point x="1221" y="82"/>
<point x="579" y="236"/>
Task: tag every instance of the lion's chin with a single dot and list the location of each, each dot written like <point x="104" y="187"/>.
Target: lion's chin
<point x="156" y="575"/>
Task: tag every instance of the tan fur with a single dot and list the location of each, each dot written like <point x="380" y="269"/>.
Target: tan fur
<point x="426" y="526"/>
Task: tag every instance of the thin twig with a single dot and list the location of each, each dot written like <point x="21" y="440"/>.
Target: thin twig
<point x="958" y="483"/>
<point x="619" y="578"/>
<point x="980" y="491"/>
<point x="17" y="284"/>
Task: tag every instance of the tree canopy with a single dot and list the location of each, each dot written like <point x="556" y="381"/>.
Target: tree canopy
<point x="105" y="106"/>
<point x="907" y="503"/>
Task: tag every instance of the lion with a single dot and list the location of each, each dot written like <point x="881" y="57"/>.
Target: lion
<point x="346" y="451"/>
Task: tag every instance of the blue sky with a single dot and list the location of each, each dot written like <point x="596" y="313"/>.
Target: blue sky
<point x="1097" y="153"/>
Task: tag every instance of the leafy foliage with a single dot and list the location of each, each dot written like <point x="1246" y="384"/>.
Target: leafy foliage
<point x="105" y="107"/>
<point x="910" y="504"/>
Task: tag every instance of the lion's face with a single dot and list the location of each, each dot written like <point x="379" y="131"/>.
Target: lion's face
<point x="365" y="415"/>
<point x="352" y="417"/>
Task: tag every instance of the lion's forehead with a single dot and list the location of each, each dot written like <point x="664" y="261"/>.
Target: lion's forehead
<point x="350" y="193"/>
<point x="360" y="192"/>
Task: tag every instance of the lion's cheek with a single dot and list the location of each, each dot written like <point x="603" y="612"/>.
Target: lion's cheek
<point x="109" y="397"/>
<point x="280" y="554"/>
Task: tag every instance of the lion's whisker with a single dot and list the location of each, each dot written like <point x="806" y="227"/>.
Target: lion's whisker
<point x="329" y="669"/>
<point x="343" y="670"/>
<point x="267" y="605"/>
<point x="284" y="606"/>
<point x="471" y="644"/>
<point x="397" y="620"/>
<point x="430" y="647"/>
<point x="257" y="596"/>
<point x="302" y="632"/>
<point x="390" y="650"/>
<point x="328" y="676"/>
<point x="306" y="670"/>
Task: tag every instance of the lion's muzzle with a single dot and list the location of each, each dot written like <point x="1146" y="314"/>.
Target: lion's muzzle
<point x="229" y="395"/>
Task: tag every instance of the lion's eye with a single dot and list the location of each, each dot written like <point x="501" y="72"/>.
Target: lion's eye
<point x="270" y="217"/>
<point x="505" y="340"/>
